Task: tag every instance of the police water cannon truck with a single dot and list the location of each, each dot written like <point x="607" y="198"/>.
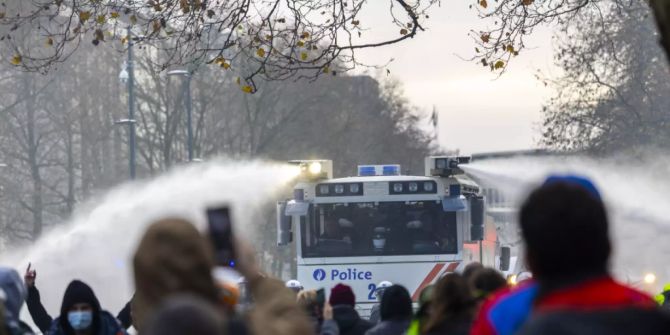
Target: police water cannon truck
<point x="384" y="226"/>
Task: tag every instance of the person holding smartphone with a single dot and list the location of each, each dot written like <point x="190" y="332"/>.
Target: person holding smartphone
<point x="174" y="258"/>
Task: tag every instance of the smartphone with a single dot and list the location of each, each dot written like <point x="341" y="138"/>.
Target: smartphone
<point x="320" y="297"/>
<point x="221" y="234"/>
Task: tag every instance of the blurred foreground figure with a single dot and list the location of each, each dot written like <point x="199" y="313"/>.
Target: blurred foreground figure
<point x="663" y="298"/>
<point x="565" y="227"/>
<point x="564" y="224"/>
<point x="80" y="314"/>
<point x="321" y="316"/>
<point x="484" y="282"/>
<point x="422" y="314"/>
<point x="452" y="307"/>
<point x="174" y="259"/>
<point x="395" y="312"/>
<point x="182" y="315"/>
<point x="13" y="295"/>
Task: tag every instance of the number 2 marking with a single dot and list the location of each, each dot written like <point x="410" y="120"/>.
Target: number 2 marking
<point x="372" y="288"/>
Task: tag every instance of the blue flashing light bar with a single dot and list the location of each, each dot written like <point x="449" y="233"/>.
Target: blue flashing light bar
<point x="378" y="170"/>
<point x="391" y="170"/>
<point x="367" y="171"/>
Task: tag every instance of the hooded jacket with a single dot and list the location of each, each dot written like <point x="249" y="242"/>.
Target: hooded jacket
<point x="78" y="292"/>
<point x="348" y="320"/>
<point x="14" y="297"/>
<point x="43" y="320"/>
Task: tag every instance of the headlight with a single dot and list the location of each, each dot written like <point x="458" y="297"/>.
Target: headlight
<point x="428" y="186"/>
<point x="649" y="278"/>
<point x="315" y="168"/>
<point x="397" y="187"/>
<point x="354" y="188"/>
<point x="339" y="188"/>
<point x="323" y="189"/>
<point x="413" y="187"/>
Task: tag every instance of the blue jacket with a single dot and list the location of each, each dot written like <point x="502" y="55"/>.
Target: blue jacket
<point x="108" y="326"/>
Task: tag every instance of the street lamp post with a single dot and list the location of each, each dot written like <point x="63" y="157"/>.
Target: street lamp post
<point x="127" y="76"/>
<point x="189" y="106"/>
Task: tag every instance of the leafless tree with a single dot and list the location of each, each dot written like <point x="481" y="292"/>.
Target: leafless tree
<point x="612" y="94"/>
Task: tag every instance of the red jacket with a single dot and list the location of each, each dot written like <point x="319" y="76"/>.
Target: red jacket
<point x="508" y="309"/>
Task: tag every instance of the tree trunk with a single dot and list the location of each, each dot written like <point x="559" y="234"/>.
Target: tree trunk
<point x="33" y="161"/>
<point x="661" y="9"/>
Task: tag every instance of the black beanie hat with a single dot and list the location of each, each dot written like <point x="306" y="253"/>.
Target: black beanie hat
<point x="396" y="304"/>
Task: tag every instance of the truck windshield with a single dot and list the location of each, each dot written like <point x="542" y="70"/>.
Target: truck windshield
<point x="386" y="228"/>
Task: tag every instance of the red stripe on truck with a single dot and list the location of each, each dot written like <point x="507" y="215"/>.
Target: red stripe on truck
<point x="451" y="268"/>
<point x="431" y="276"/>
<point x="426" y="281"/>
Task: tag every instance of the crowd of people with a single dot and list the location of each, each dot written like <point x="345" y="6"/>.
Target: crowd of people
<point x="563" y="223"/>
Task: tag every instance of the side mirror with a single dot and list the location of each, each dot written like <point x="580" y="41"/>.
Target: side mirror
<point x="477" y="218"/>
<point x="505" y="256"/>
<point x="284" y="233"/>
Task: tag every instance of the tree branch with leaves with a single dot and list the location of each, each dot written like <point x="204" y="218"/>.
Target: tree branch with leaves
<point x="277" y="39"/>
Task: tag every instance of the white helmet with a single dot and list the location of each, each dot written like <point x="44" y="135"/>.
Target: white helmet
<point x="294" y="285"/>
<point x="383" y="285"/>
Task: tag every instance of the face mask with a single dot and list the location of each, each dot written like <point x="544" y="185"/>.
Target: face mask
<point x="80" y="320"/>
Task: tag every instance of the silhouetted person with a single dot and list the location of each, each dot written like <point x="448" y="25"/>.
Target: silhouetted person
<point x="395" y="312"/>
<point x="565" y="226"/>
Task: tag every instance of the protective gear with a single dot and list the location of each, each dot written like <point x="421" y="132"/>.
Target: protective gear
<point x="80" y="320"/>
<point x="379" y="239"/>
<point x="380" y="289"/>
<point x="294" y="285"/>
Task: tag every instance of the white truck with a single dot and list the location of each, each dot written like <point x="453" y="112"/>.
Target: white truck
<point x="381" y="225"/>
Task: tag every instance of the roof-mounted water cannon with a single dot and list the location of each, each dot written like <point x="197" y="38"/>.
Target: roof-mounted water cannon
<point x="314" y="169"/>
<point x="445" y="166"/>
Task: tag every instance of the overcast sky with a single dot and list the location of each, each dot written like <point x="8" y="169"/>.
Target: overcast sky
<point x="478" y="113"/>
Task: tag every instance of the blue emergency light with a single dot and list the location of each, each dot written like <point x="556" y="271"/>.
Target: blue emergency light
<point x="367" y="171"/>
<point x="391" y="170"/>
<point x="378" y="170"/>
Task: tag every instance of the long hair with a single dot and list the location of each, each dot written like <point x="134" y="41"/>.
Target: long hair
<point x="172" y="258"/>
<point x="452" y="301"/>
